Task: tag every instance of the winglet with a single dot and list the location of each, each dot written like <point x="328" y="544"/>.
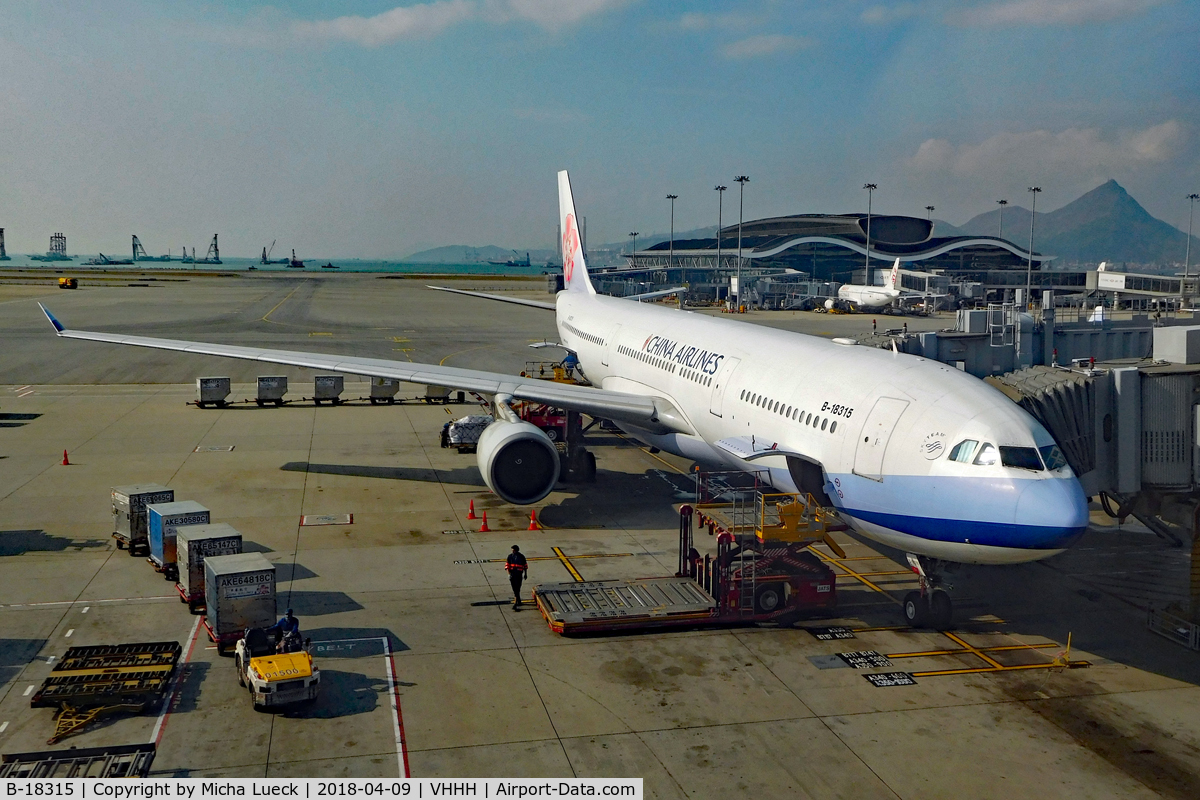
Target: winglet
<point x="58" y="326"/>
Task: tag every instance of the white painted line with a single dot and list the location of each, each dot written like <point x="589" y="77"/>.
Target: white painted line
<point x="22" y="388"/>
<point x="3" y="726"/>
<point x="28" y="691"/>
<point x="397" y="725"/>
<point x="26" y="394"/>
<point x="86" y="609"/>
<point x="156" y="734"/>
<point x="51" y="659"/>
<point x="68" y="636"/>
<point x="107" y="600"/>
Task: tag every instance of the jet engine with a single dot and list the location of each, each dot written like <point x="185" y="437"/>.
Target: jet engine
<point x="518" y="461"/>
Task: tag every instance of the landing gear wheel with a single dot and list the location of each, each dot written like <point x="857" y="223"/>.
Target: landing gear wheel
<point x="915" y="609"/>
<point x="769" y="598"/>
<point x="552" y="434"/>
<point x="941" y="610"/>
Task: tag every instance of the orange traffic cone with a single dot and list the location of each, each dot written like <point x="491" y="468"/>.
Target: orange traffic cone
<point x="471" y="511"/>
<point x="533" y="523"/>
<point x="484" y="527"/>
<point x="66" y="461"/>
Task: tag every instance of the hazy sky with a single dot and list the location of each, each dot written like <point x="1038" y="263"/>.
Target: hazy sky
<point x="369" y="129"/>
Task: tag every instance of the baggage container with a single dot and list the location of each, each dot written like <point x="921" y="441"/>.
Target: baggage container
<point x="383" y="390"/>
<point x="163" y="520"/>
<point x="437" y="394"/>
<point x="328" y="387"/>
<point x="195" y="543"/>
<point x="129" y="513"/>
<point x="239" y="593"/>
<point x="271" y="389"/>
<point x="212" y="390"/>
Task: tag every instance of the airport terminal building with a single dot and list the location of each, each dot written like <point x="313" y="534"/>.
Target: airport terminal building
<point x="815" y="251"/>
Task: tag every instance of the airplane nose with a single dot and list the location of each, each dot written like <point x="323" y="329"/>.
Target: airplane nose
<point x="1056" y="508"/>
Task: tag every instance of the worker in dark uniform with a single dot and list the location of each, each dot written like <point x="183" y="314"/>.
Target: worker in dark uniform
<point x="287" y="630"/>
<point x="517" y="568"/>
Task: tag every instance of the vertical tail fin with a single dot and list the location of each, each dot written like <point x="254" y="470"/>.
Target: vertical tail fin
<point x="575" y="274"/>
<point x="894" y="277"/>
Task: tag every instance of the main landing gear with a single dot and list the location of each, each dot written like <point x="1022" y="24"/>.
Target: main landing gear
<point x="930" y="607"/>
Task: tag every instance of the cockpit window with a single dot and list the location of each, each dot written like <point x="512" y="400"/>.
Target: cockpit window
<point x="987" y="455"/>
<point x="1020" y="457"/>
<point x="1053" y="457"/>
<point x="963" y="451"/>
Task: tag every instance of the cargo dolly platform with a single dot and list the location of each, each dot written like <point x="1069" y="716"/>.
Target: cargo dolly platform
<point x="101" y="680"/>
<point x="764" y="575"/>
<point x="121" y="761"/>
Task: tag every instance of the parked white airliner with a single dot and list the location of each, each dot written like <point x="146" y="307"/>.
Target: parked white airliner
<point x="913" y="453"/>
<point x="873" y="296"/>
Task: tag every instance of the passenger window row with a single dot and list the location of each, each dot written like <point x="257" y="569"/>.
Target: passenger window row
<point x="697" y="377"/>
<point x="589" y="337"/>
<point x="790" y="412"/>
<point x="661" y="363"/>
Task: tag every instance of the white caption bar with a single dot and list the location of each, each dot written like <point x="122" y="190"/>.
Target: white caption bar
<point x="419" y="788"/>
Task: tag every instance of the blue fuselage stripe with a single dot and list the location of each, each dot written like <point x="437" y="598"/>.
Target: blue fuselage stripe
<point x="991" y="534"/>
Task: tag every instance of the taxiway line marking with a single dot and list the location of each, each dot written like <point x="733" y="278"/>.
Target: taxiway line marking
<point x="959" y="651"/>
<point x="837" y="563"/>
<point x="3" y="726"/>
<point x="281" y="302"/>
<point x="28" y="690"/>
<point x="566" y="562"/>
<point x="975" y="651"/>
<point x="976" y="670"/>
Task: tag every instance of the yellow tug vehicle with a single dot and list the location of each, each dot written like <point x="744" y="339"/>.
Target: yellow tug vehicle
<point x="275" y="679"/>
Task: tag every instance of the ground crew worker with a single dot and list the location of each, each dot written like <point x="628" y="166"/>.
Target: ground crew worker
<point x="288" y="624"/>
<point x="517" y="568"/>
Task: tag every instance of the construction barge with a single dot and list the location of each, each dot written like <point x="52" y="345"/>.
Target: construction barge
<point x="763" y="571"/>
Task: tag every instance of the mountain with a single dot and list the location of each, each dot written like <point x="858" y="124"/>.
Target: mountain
<point x="1106" y="224"/>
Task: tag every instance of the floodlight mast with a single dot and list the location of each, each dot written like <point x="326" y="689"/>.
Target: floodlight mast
<point x="720" y="190"/>
<point x="870" y="187"/>
<point x="1035" y="190"/>
<point x="742" y="181"/>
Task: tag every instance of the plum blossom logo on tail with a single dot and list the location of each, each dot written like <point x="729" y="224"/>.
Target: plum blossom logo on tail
<point x="570" y="245"/>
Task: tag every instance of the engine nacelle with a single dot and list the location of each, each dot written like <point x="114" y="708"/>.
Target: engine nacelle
<point x="518" y="461"/>
<point x="830" y="304"/>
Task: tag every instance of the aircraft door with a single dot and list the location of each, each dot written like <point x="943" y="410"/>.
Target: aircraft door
<point x="876" y="432"/>
<point x="607" y="352"/>
<point x="717" y="400"/>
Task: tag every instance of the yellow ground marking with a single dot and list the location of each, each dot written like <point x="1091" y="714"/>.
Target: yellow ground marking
<point x="442" y="363"/>
<point x="958" y="651"/>
<point x="265" y="317"/>
<point x="975" y="651"/>
<point x="316" y="333"/>
<point x="857" y="575"/>
<point x="566" y="562"/>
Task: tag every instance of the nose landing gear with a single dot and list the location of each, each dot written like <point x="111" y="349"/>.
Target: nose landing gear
<point x="930" y="607"/>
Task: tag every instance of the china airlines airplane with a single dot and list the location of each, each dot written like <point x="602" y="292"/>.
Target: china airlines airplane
<point x="912" y="453"/>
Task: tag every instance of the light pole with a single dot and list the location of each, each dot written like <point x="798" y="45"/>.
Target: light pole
<point x="1002" y="204"/>
<point x="1187" y="258"/>
<point x="1035" y="190"/>
<point x="929" y="209"/>
<point x="671" y="257"/>
<point x="742" y="181"/>
<point x="633" y="252"/>
<point x="870" y="187"/>
<point x="720" y="190"/>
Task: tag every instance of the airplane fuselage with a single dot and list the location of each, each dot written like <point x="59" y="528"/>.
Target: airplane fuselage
<point x="880" y="425"/>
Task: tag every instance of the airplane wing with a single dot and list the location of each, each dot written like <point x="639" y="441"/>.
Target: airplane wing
<point x="654" y="414"/>
<point x="517" y="300"/>
<point x="652" y="295"/>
